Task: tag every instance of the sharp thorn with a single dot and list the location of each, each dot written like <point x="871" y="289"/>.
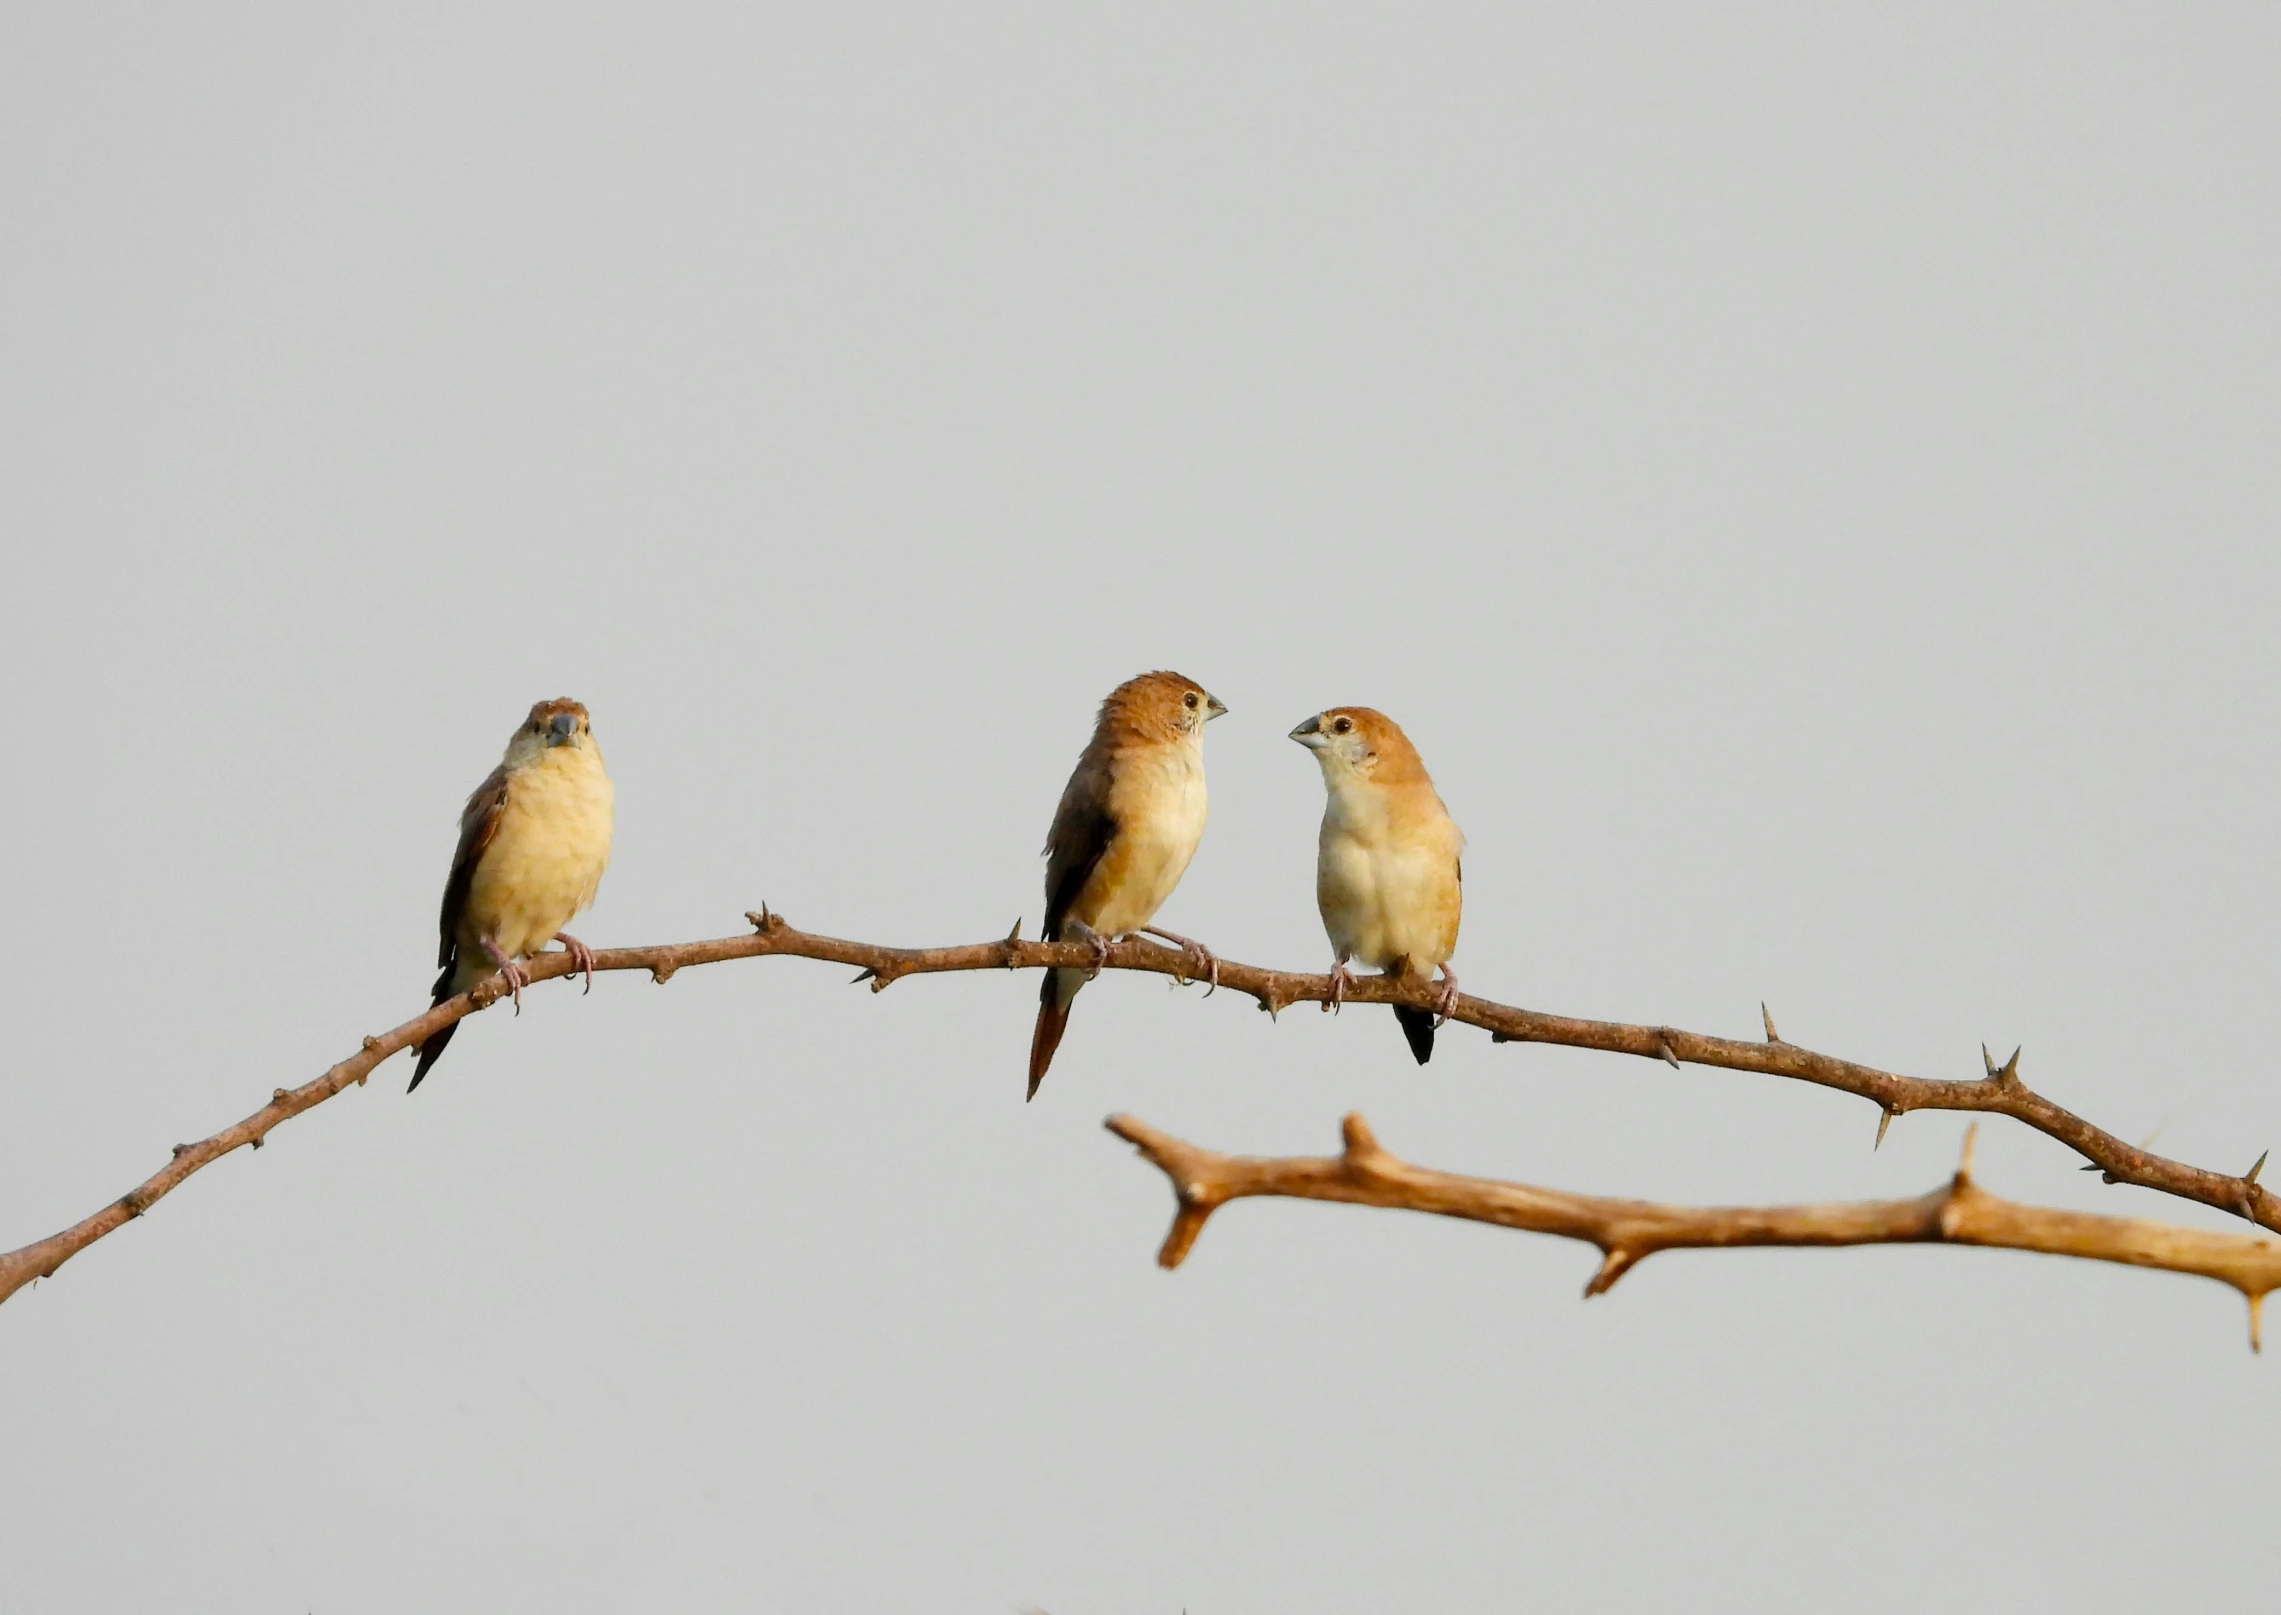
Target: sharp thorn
<point x="1663" y="1048"/>
<point x="861" y="976"/>
<point x="2011" y="1071"/>
<point x="1971" y="1142"/>
<point x="2250" y="1177"/>
<point x="1884" y="1120"/>
<point x="1772" y="1036"/>
<point x="2257" y="1322"/>
<point x="1987" y="1059"/>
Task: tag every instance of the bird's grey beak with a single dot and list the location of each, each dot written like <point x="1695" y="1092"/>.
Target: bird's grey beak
<point x="563" y="730"/>
<point x="1310" y="733"/>
<point x="1213" y="708"/>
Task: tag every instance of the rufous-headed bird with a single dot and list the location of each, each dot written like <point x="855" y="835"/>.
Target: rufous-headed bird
<point x="1129" y="821"/>
<point x="533" y="842"/>
<point x="1387" y="873"/>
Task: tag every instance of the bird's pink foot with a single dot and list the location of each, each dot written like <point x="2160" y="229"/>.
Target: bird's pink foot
<point x="1079" y="931"/>
<point x="1445" y="1001"/>
<point x="1341" y="979"/>
<point x="1202" y="961"/>
<point x="581" y="956"/>
<point x="517" y="977"/>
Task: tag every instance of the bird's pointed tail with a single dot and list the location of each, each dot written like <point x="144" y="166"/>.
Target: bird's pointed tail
<point x="433" y="1050"/>
<point x="1054" y="997"/>
<point x="1418" y="1027"/>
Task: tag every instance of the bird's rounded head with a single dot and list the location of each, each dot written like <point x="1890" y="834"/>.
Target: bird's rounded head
<point x="1160" y="707"/>
<point x="1360" y="742"/>
<point x="560" y="722"/>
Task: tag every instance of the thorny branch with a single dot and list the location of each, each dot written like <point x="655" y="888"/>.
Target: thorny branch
<point x="2001" y="1091"/>
<point x="1959" y="1212"/>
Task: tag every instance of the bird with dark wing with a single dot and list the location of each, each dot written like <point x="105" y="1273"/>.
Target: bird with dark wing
<point x="533" y="842"/>
<point x="1129" y="821"/>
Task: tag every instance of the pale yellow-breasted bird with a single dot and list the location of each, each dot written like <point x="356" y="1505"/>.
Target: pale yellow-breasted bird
<point x="533" y="842"/>
<point x="1129" y="821"/>
<point x="1387" y="873"/>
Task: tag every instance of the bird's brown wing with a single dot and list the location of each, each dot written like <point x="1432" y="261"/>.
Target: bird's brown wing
<point x="1082" y="829"/>
<point x="478" y="823"/>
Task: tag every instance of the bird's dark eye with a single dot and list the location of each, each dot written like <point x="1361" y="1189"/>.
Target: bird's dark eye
<point x="1190" y="699"/>
<point x="1340" y="726"/>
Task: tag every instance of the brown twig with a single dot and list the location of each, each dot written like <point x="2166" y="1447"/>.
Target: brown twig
<point x="2001" y="1092"/>
<point x="1627" y="1232"/>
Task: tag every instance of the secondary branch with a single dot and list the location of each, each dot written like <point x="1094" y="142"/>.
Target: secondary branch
<point x="1627" y="1232"/>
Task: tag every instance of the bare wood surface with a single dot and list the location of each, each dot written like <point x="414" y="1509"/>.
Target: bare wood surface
<point x="2000" y="1092"/>
<point x="1627" y="1232"/>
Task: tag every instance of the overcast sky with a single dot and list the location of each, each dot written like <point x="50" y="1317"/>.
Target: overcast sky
<point x="1805" y="477"/>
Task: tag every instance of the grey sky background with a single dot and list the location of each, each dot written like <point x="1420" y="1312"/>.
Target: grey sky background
<point x="1805" y="478"/>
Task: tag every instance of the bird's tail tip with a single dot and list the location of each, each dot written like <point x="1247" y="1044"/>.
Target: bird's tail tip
<point x="1053" y="1020"/>
<point x="430" y="1052"/>
<point x="1418" y="1027"/>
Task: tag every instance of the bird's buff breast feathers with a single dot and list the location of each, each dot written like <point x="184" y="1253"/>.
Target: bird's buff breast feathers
<point x="547" y="858"/>
<point x="1160" y="805"/>
<point x="1386" y="881"/>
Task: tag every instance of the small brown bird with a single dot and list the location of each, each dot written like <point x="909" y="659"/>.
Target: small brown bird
<point x="1387" y="874"/>
<point x="533" y="842"/>
<point x="1129" y="821"/>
